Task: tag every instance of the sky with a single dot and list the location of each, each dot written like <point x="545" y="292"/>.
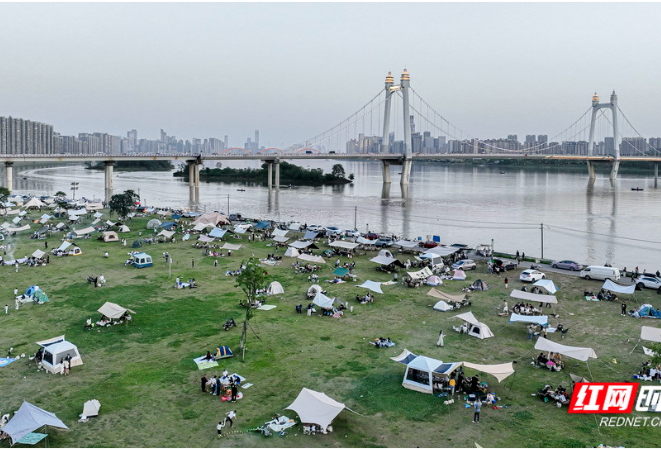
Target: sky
<point x="293" y="70"/>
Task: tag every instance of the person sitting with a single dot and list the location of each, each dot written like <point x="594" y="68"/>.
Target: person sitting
<point x="88" y="324"/>
<point x="542" y="360"/>
<point x="299" y="309"/>
<point x="209" y="356"/>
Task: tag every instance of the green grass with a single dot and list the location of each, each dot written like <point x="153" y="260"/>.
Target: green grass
<point x="144" y="376"/>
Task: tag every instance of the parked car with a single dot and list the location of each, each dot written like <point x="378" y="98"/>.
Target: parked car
<point x="428" y="244"/>
<point x="648" y="282"/>
<point x="567" y="264"/>
<point x="384" y="241"/>
<point x="531" y="275"/>
<point x="353" y="233"/>
<point x="316" y="228"/>
<point x="371" y="236"/>
<point x="331" y="231"/>
<point x="465" y="264"/>
<point x="504" y="265"/>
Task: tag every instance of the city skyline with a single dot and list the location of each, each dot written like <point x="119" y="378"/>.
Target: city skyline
<point x="494" y="69"/>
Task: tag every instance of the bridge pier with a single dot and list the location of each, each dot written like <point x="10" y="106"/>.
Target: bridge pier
<point x="269" y="171"/>
<point x="193" y="180"/>
<point x="9" y="169"/>
<point x="108" y="169"/>
<point x="591" y="172"/>
<point x="406" y="172"/>
<point x="615" y="169"/>
<point x="386" y="171"/>
<point x="656" y="173"/>
<point x="277" y="174"/>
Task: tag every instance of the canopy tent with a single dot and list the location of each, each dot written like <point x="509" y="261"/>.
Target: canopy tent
<point x="84" y="231"/>
<point x="213" y="218"/>
<point x="340" y="271"/>
<point x="279" y="232"/>
<point x="384" y="260"/>
<point x="614" y="287"/>
<point x="98" y="215"/>
<point x="442" y="306"/>
<point x="500" y="371"/>
<point x="311" y="258"/>
<point x="217" y="233"/>
<point x="578" y="378"/>
<point x="29" y="418"/>
<point x="457" y="298"/>
<point x="64" y="245"/>
<point x="55" y="350"/>
<point x="344" y="245"/>
<point x="459" y="274"/>
<point x="364" y="241"/>
<point x="312" y="290"/>
<point x="228" y="246"/>
<point x="34" y="203"/>
<point x="38" y="254"/>
<point x="421" y="274"/>
<point x="310" y="235"/>
<point x="167" y="234"/>
<point x="539" y="320"/>
<point x="522" y="295"/>
<point x="476" y="329"/>
<point x="96" y="221"/>
<point x="323" y="301"/>
<point x="292" y="252"/>
<point x="441" y="251"/>
<point x="275" y="288"/>
<point x="434" y="280"/>
<point x="94" y="206"/>
<point x="301" y="244"/>
<point x="580" y="353"/>
<point x="294" y="226"/>
<point x="91" y="409"/>
<point x="17" y="229"/>
<point x="480" y="285"/>
<point x="123" y="229"/>
<point x="241" y="229"/>
<point x="549" y="285"/>
<point x="136" y="244"/>
<point x="186" y="237"/>
<point x="316" y="407"/>
<point x="201" y="226"/>
<point x="109" y="236"/>
<point x="646" y="310"/>
<point x="650" y="334"/>
<point x="113" y="310"/>
<point x="421" y="370"/>
<point x="280" y="239"/>
<point x="263" y="225"/>
<point x="73" y="218"/>
<point x="373" y="286"/>
<point x="203" y="238"/>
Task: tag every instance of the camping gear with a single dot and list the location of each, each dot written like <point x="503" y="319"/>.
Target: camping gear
<point x="229" y="323"/>
<point x="475" y="328"/>
<point x="442" y="306"/>
<point x="459" y="274"/>
<point x="29" y="418"/>
<point x="275" y="288"/>
<point x="538" y="320"/>
<point x="323" y="301"/>
<point x="292" y="252"/>
<point x="109" y="236"/>
<point x="316" y="407"/>
<point x="549" y="285"/>
<point x="373" y="286"/>
<point x="55" y="350"/>
<point x="136" y="244"/>
<point x="646" y="310"/>
<point x="580" y="353"/>
<point x="90" y="409"/>
<point x="223" y="352"/>
<point x="75" y="251"/>
<point x="434" y="280"/>
<point x="479" y="285"/>
<point x="421" y="370"/>
<point x="153" y="224"/>
<point x="541" y="298"/>
<point x="142" y="260"/>
<point x="113" y="310"/>
<point x="312" y="290"/>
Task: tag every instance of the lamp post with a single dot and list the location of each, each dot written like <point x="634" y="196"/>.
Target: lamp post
<point x="74" y="188"/>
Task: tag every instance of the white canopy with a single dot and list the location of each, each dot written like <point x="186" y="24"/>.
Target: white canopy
<point x="98" y="215"/>
<point x="113" y="310"/>
<point x="580" y="353"/>
<point x="212" y="218"/>
<point x="301" y="244"/>
<point x="533" y="297"/>
<point x="467" y="317"/>
<point x="500" y="371"/>
<point x="23" y="228"/>
<point x="549" y="285"/>
<point x="123" y="229"/>
<point x="316" y="407"/>
<point x="294" y="226"/>
<point x="650" y="334"/>
<point x="384" y="260"/>
<point x="201" y="226"/>
<point x="614" y="287"/>
<point x="442" y="251"/>
<point x="38" y="254"/>
<point x="109" y="223"/>
<point x="279" y="232"/>
<point x="372" y="286"/>
<point x="76" y="212"/>
<point x="280" y="238"/>
<point x="34" y="202"/>
<point x="292" y="252"/>
<point x="240" y="229"/>
<point x="166" y="233"/>
<point x="84" y="231"/>
<point x="457" y="298"/>
<point x="323" y="301"/>
<point x="217" y="232"/>
<point x="203" y="238"/>
<point x="421" y="274"/>
<point x="29" y="418"/>
<point x="311" y="258"/>
<point x="64" y="245"/>
<point x="228" y="246"/>
<point x="343" y="244"/>
<point x="539" y="320"/>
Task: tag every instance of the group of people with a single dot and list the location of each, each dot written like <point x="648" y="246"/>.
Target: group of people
<point x="525" y="309"/>
<point x="553" y="362"/>
<point x="298" y="268"/>
<point x="558" y="395"/>
<point x="368" y="298"/>
<point x="224" y="386"/>
<point x="649" y="373"/>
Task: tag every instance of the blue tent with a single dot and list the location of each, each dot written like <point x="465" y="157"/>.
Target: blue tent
<point x="223" y="352"/>
<point x="647" y="310"/>
<point x="217" y="233"/>
<point x="176" y="216"/>
<point x="167" y="225"/>
<point x="263" y="225"/>
<point x="31" y="290"/>
<point x="141" y="260"/>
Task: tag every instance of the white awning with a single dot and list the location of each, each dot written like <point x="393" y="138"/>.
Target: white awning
<point x="280" y="238"/>
<point x="279" y="232"/>
<point x="533" y="297"/>
<point x="467" y="317"/>
<point x="311" y="258"/>
<point x="323" y="301"/>
<point x="316" y="407"/>
<point x="23" y="228"/>
<point x="228" y="246"/>
<point x="113" y="310"/>
<point x="204" y="238"/>
<point x="650" y="334"/>
<point x="84" y="231"/>
<point x="500" y="371"/>
<point x="166" y="233"/>
<point x="373" y="286"/>
<point x="539" y="320"/>
<point x="580" y="353"/>
<point x="38" y="254"/>
<point x="443" y="251"/>
<point x="547" y="284"/>
<point x="421" y="274"/>
<point x="614" y="287"/>
<point x="343" y="244"/>
<point x="383" y="260"/>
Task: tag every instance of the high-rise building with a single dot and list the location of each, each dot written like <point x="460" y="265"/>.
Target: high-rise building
<point x="257" y="139"/>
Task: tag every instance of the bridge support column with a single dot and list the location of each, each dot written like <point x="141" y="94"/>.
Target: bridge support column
<point x="406" y="172"/>
<point x="591" y="172"/>
<point x="193" y="181"/>
<point x="269" y="171"/>
<point x="386" y="171"/>
<point x="656" y="173"/>
<point x="197" y="176"/>
<point x="615" y="169"/>
<point x="9" y="169"/>
<point x="276" y="166"/>
<point x="108" y="179"/>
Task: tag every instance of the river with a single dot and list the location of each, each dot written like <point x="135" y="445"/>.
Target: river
<point x="592" y="224"/>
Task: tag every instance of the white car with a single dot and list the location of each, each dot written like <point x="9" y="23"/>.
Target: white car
<point x="531" y="275"/>
<point x="465" y="264"/>
<point x="316" y="228"/>
<point x="648" y="282"/>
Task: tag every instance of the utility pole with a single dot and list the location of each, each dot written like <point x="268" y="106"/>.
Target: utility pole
<point x="541" y="228"/>
<point x="355" y="218"/>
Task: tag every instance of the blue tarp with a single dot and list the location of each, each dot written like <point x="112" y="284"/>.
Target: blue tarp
<point x="167" y="225"/>
<point x="31" y="439"/>
<point x="217" y="233"/>
<point x="263" y="225"/>
<point x="6" y="361"/>
<point x="309" y="235"/>
<point x="176" y="216"/>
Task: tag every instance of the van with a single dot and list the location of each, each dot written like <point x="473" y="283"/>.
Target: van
<point x="600" y="273"/>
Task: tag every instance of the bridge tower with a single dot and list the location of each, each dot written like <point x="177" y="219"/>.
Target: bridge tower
<point x="596" y="106"/>
<point x="405" y="159"/>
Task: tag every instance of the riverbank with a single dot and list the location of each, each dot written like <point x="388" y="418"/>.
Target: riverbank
<point x="134" y="166"/>
<point x="148" y="386"/>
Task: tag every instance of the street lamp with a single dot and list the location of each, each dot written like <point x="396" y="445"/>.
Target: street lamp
<point x="74" y="188"/>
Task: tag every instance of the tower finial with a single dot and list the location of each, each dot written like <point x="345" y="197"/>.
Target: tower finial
<point x="595" y="97"/>
<point x="389" y="78"/>
<point x="405" y="75"/>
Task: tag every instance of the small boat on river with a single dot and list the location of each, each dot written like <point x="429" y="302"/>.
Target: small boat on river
<point x="636" y="189"/>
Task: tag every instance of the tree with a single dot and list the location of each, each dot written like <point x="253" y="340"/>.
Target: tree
<point x="252" y="278"/>
<point x="4" y="193"/>
<point x="123" y="203"/>
<point x="338" y="171"/>
<point x="60" y="194"/>
<point x="351" y="177"/>
<point x="656" y="359"/>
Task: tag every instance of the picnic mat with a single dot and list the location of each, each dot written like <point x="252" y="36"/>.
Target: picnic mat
<point x="242" y="379"/>
<point x="31" y="438"/>
<point x="388" y="283"/>
<point x="266" y="307"/>
<point x="591" y="299"/>
<point x="6" y="361"/>
<point x="203" y="364"/>
<point x="246" y="386"/>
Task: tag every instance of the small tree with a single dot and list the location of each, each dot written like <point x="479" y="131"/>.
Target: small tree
<point x="656" y="359"/>
<point x="123" y="203"/>
<point x="252" y="278"/>
<point x="60" y="194"/>
<point x="351" y="177"/>
<point x="338" y="171"/>
<point x="4" y="193"/>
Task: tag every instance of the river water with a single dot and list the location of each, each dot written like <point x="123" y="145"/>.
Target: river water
<point x="592" y="224"/>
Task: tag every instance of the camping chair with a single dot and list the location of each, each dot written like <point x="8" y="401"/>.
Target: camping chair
<point x="307" y="430"/>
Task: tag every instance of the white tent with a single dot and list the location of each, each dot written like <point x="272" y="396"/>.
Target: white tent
<point x="64" y="245"/>
<point x="38" y="254"/>
<point x="91" y="409"/>
<point x="549" y="285"/>
<point x="476" y="328"/>
<point x="311" y="258"/>
<point x="76" y="212"/>
<point x="385" y="252"/>
<point x="314" y="289"/>
<point x="217" y="232"/>
<point x="241" y="229"/>
<point x="580" y="353"/>
<point x="421" y="274"/>
<point x="459" y="275"/>
<point x="153" y="224"/>
<point x="373" y="286"/>
<point x="614" y="287"/>
<point x="434" y="280"/>
<point x="442" y="306"/>
<point x="322" y="301"/>
<point x="275" y="288"/>
<point x="55" y="350"/>
<point x="384" y="260"/>
<point x="279" y="232"/>
<point x="34" y="203"/>
<point x="292" y="252"/>
<point x="500" y="371"/>
<point x="406" y="244"/>
<point x="539" y="320"/>
<point x="200" y="226"/>
<point x="228" y="246"/>
<point x="94" y="206"/>
<point x="316" y="407"/>
<point x="344" y="245"/>
<point x="522" y="295"/>
<point x="203" y="238"/>
<point x="123" y="229"/>
<point x="98" y="215"/>
<point x="280" y="239"/>
<point x="109" y="236"/>
<point x="421" y="370"/>
<point x="113" y="310"/>
<point x="213" y="218"/>
<point x="294" y="226"/>
<point x="29" y="418"/>
<point x="23" y="228"/>
<point x="166" y="233"/>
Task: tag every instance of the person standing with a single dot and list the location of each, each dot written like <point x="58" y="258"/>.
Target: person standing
<point x="523" y="256"/>
<point x="204" y="383"/>
<point x="624" y="309"/>
<point x="478" y="406"/>
<point x="506" y="309"/>
<point x="15" y="292"/>
<point x="46" y="244"/>
<point x="544" y="332"/>
<point x="16" y="266"/>
<point x="219" y="427"/>
<point x="215" y="263"/>
<point x="192" y="263"/>
<point x="441" y="336"/>
<point x="530" y="332"/>
<point x="6" y="309"/>
<point x="235" y="391"/>
<point x="506" y="282"/>
<point x="453" y="384"/>
<point x="231" y="415"/>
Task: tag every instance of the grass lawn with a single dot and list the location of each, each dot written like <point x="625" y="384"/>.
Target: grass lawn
<point x="149" y="387"/>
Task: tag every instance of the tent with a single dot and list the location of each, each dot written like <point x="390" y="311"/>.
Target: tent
<point x="549" y="285"/>
<point x="541" y="298"/>
<point x="34" y="203"/>
<point x="614" y="287"/>
<point x="578" y="378"/>
<point x="421" y="274"/>
<point x="294" y="226"/>
<point x="312" y="290"/>
<point x="373" y="286"/>
<point x="94" y="206"/>
<point x="442" y="306"/>
<point x="311" y="258"/>
<point x="410" y="245"/>
<point x="74" y="251"/>
<point x="316" y="407"/>
<point x="217" y="233"/>
<point x="38" y="254"/>
<point x="113" y="310"/>
<point x="186" y="237"/>
<point x="228" y="246"/>
<point x="301" y="244"/>
<point x="136" y="244"/>
<point x="646" y="310"/>
<point x="500" y="371"/>
<point x="310" y="235"/>
<point x="168" y="225"/>
<point x="459" y="275"/>
<point x="434" y="281"/>
<point x="280" y="239"/>
<point x="475" y="328"/>
<point x="213" y="218"/>
<point x="279" y="232"/>
<point x="77" y="212"/>
<point x="384" y="260"/>
<point x="292" y="252"/>
<point x="479" y="285"/>
<point x="98" y="215"/>
<point x="141" y="260"/>
<point x="110" y="236"/>
<point x="344" y="245"/>
<point x="32" y="290"/>
<point x="203" y="238"/>
<point x="275" y="288"/>
<point x="84" y="231"/>
<point x="263" y="225"/>
<point x="322" y="301"/>
<point x="385" y="252"/>
<point x="64" y="246"/>
<point x="421" y="371"/>
<point x="29" y="418"/>
<point x="456" y="298"/>
<point x="580" y="353"/>
<point x="362" y="240"/>
<point x="123" y="229"/>
<point x="241" y="228"/>
<point x="167" y="234"/>
<point x="223" y="351"/>
<point x="90" y="409"/>
<point x="539" y="320"/>
<point x="54" y="352"/>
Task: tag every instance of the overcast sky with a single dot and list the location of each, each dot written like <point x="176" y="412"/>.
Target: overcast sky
<point x="293" y="70"/>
